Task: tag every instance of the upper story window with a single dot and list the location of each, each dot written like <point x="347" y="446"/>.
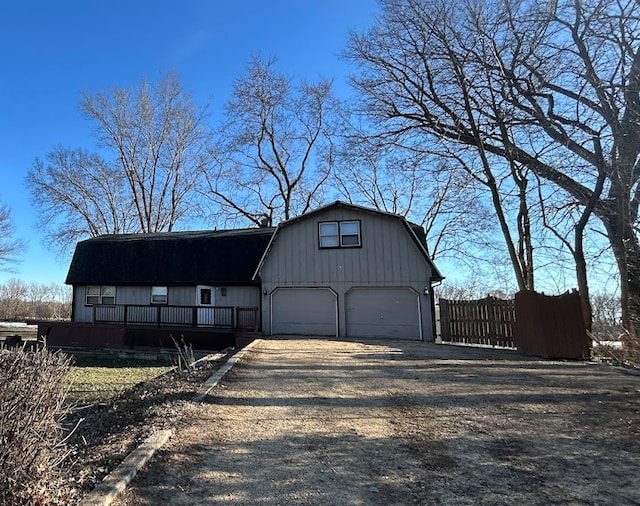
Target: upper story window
<point x="339" y="234"/>
<point x="158" y="295"/>
<point x="328" y="233"/>
<point x="100" y="295"/>
<point x="349" y="233"/>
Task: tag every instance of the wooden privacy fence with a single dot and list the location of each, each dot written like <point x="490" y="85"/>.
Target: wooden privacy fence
<point x="486" y="321"/>
<point x="535" y="324"/>
<point x="551" y="326"/>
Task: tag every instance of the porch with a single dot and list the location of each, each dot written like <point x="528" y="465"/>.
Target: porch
<point x="142" y="327"/>
<point x="246" y="319"/>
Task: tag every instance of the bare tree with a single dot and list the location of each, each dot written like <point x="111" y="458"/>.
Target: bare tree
<point x="13" y="295"/>
<point x="567" y="221"/>
<point x="507" y="188"/>
<point x="42" y="300"/>
<point x="420" y="188"/>
<point x="10" y="246"/>
<point x="418" y="90"/>
<point x="274" y="151"/>
<point x="19" y="300"/>
<point x="142" y="177"/>
<point x="78" y="193"/>
<point x="606" y="316"/>
<point x="551" y="86"/>
<point x="469" y="289"/>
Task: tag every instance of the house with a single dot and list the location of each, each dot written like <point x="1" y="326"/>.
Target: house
<point x="340" y="271"/>
<point x="348" y="271"/>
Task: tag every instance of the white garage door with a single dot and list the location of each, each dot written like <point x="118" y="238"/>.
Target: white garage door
<point x="304" y="311"/>
<point x="383" y="312"/>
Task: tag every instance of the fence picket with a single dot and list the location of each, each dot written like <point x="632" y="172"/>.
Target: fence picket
<point x="486" y="321"/>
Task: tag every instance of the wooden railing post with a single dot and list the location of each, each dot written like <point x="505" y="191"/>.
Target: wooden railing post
<point x="223" y="317"/>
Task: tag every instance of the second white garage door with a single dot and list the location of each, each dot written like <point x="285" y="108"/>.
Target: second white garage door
<point x="304" y="311"/>
<point x="383" y="312"/>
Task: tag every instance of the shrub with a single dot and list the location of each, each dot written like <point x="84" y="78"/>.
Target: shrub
<point x="32" y="390"/>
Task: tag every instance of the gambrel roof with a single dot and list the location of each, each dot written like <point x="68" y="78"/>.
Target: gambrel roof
<point x="170" y="258"/>
<point x="212" y="257"/>
<point x="416" y="232"/>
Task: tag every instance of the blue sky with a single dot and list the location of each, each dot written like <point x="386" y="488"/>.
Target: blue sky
<point x="53" y="52"/>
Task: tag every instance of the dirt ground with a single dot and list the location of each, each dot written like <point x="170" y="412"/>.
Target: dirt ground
<point x="309" y="421"/>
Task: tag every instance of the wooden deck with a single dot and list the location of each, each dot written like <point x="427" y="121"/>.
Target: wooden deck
<point x="220" y="317"/>
<point x="151" y="327"/>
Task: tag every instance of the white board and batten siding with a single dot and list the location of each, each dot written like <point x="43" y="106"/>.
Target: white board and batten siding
<point x="379" y="287"/>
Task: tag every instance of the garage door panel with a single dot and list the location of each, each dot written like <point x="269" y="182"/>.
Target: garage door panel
<point x="383" y="312"/>
<point x="304" y="311"/>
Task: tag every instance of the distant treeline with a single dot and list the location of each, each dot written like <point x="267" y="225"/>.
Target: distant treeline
<point x="21" y="301"/>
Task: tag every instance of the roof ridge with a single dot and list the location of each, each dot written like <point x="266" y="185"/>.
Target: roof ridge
<point x="182" y="233"/>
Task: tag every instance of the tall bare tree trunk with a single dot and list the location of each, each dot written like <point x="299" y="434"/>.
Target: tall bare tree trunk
<point x="626" y="250"/>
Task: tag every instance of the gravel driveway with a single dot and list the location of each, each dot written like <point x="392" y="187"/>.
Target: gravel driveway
<point x="321" y="422"/>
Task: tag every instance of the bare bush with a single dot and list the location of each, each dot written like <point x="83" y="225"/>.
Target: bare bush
<point x="607" y="316"/>
<point x="611" y="340"/>
<point x="31" y="434"/>
<point x="185" y="357"/>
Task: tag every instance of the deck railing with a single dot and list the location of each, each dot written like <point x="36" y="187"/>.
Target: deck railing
<point x="225" y="317"/>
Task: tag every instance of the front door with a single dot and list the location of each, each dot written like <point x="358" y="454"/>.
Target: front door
<point x="205" y="300"/>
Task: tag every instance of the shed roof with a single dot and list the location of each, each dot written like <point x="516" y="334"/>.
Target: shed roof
<point x="170" y="258"/>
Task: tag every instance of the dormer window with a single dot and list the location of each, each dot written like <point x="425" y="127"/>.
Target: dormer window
<point x="339" y="234"/>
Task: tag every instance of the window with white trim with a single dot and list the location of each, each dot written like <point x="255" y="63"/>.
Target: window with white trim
<point x="159" y="295"/>
<point x="339" y="234"/>
<point x="100" y="295"/>
<point x="328" y="234"/>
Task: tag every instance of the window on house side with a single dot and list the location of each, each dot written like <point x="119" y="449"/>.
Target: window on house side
<point x="349" y="233"/>
<point x="107" y="295"/>
<point x="158" y="295"/>
<point x="328" y="234"/>
<point x="93" y="295"/>
<point x="100" y="295"/>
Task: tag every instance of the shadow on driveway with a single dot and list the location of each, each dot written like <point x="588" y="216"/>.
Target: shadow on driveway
<point x="312" y="421"/>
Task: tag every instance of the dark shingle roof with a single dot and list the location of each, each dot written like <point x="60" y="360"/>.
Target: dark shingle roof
<point x="174" y="258"/>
